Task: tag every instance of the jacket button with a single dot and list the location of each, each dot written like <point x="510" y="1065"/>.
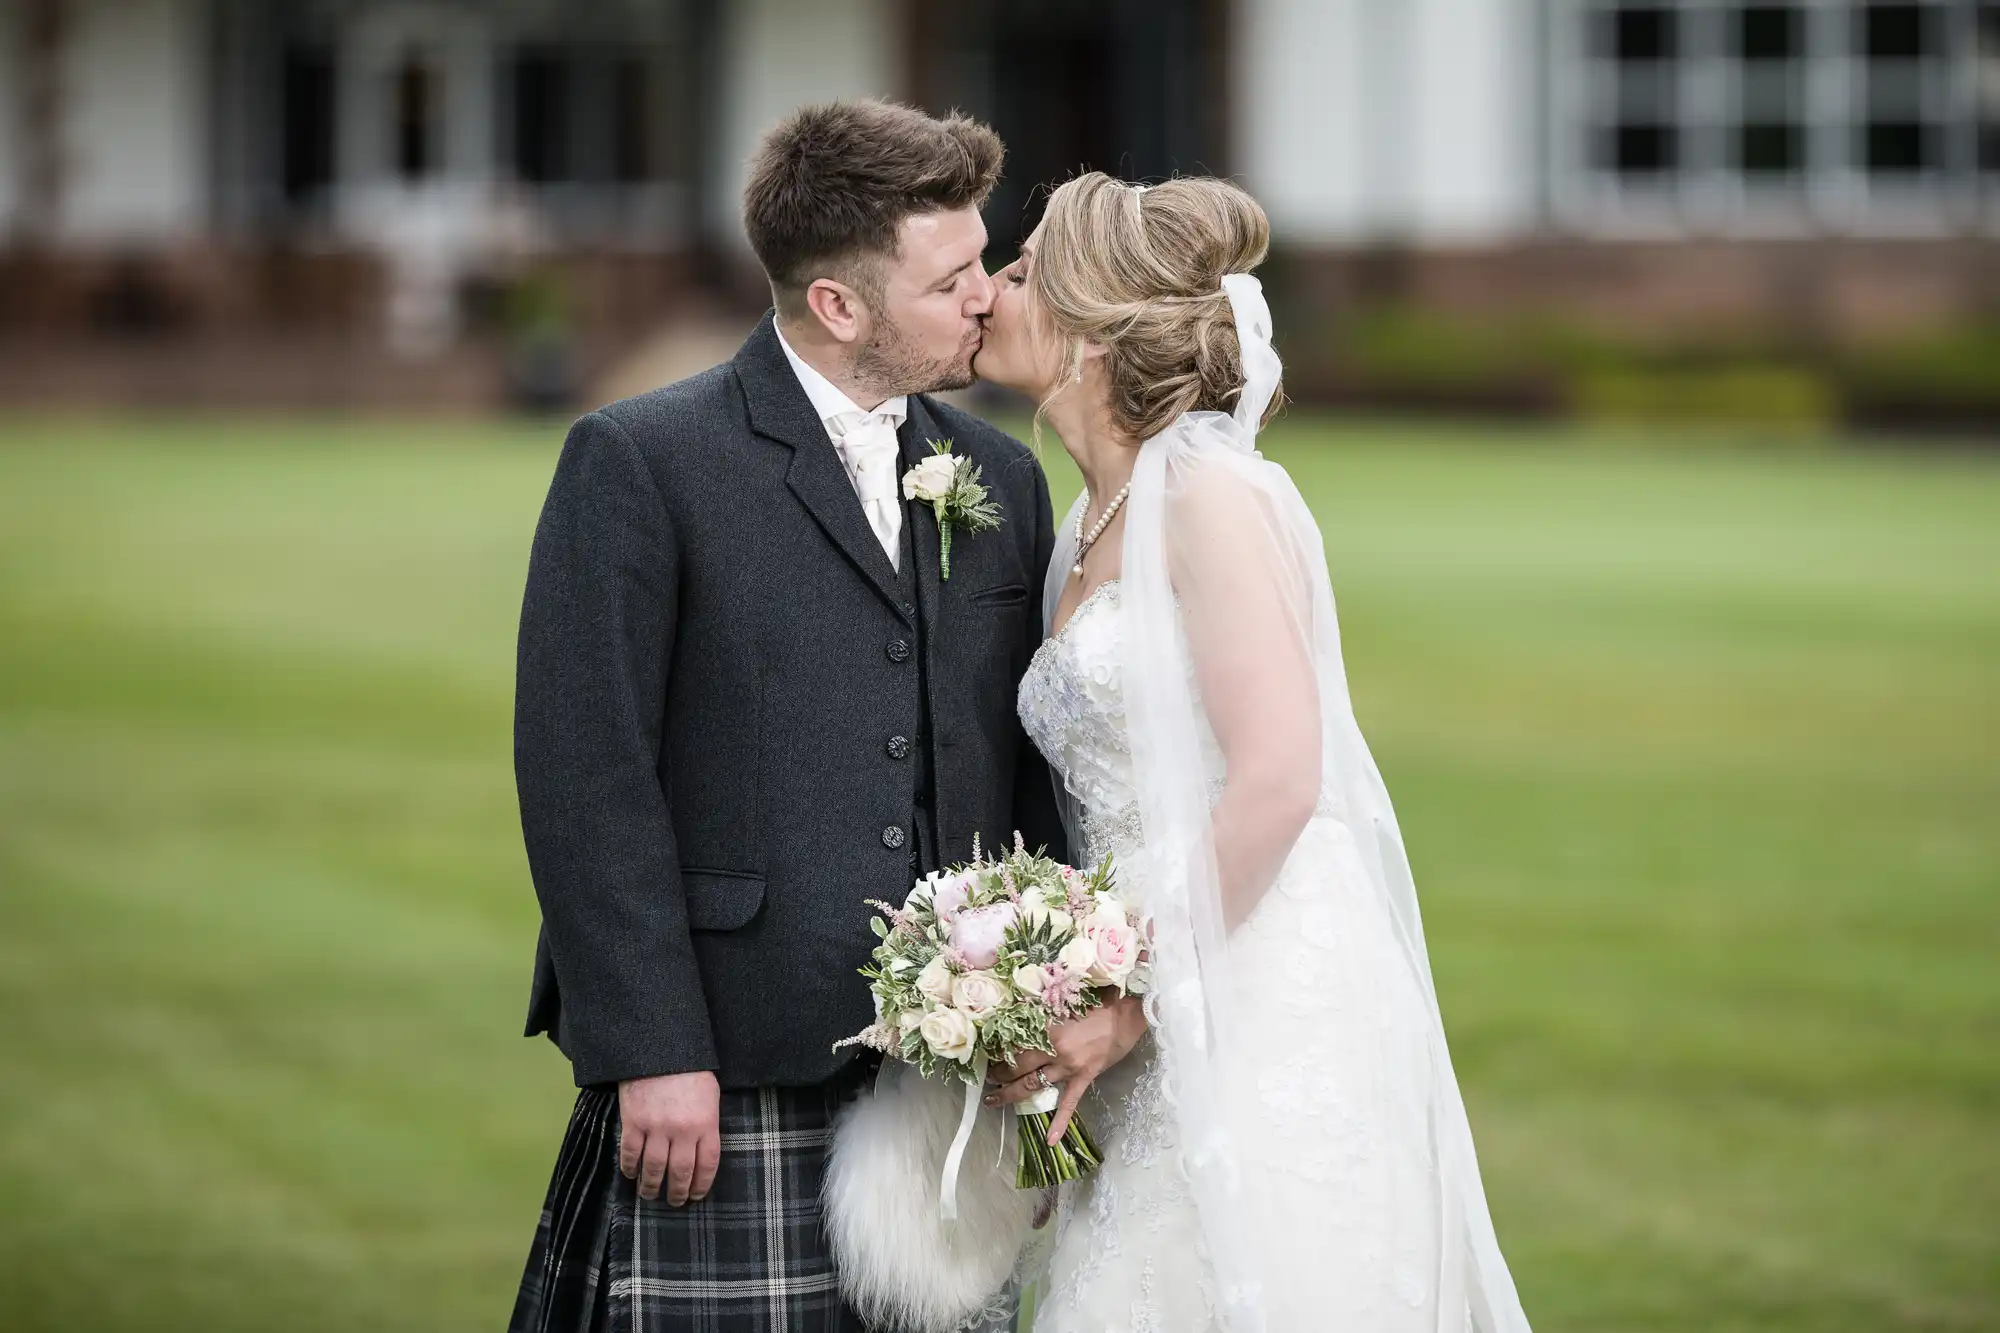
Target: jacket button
<point x="898" y="650"/>
<point x="899" y="747"/>
<point x="892" y="837"/>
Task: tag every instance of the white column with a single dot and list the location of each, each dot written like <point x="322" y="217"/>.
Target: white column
<point x="780" y="54"/>
<point x="134" y="121"/>
<point x="1299" y="115"/>
<point x="1361" y="120"/>
<point x="1471" y="140"/>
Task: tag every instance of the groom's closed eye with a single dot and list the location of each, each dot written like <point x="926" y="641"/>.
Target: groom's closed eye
<point x="951" y="279"/>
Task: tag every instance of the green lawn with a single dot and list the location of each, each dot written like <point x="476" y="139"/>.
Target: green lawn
<point x="1697" y="748"/>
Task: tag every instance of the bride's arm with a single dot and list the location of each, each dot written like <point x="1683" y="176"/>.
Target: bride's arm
<point x="1246" y="601"/>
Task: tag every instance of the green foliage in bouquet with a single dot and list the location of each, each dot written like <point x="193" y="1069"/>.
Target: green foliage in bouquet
<point x="982" y="959"/>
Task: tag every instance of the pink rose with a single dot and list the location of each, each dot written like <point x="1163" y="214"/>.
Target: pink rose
<point x="979" y="933"/>
<point x="1117" y="954"/>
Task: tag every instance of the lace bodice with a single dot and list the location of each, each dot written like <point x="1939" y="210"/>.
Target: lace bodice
<point x="1072" y="704"/>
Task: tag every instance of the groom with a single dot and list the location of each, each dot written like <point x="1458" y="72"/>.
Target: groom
<point x="748" y="701"/>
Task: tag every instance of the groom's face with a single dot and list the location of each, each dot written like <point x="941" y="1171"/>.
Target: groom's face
<point x="933" y="295"/>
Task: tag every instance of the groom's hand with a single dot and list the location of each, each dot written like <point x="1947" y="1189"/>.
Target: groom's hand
<point x="668" y="1131"/>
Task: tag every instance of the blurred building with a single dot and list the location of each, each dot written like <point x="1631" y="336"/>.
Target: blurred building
<point x="430" y="199"/>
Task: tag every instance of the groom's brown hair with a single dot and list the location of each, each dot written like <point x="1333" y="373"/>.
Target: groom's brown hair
<point x="830" y="186"/>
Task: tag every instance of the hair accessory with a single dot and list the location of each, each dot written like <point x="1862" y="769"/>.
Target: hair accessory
<point x="1261" y="367"/>
<point x="1137" y="190"/>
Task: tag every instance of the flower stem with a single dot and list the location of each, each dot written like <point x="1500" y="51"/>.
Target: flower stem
<point x="944" y="540"/>
<point x="1042" y="1164"/>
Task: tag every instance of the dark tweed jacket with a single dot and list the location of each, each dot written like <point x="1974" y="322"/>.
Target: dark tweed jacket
<point x="716" y="662"/>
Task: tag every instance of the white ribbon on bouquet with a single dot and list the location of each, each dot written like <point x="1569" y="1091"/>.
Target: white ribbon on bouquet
<point x="1044" y="1101"/>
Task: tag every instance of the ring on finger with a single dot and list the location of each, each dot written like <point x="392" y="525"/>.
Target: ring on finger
<point x="1039" y="1080"/>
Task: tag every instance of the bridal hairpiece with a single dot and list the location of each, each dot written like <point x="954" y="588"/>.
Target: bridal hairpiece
<point x="1137" y="191"/>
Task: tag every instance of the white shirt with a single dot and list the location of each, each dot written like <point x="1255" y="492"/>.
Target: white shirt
<point x="867" y="445"/>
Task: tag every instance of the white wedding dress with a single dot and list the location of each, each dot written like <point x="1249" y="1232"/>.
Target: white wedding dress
<point x="1340" y="1158"/>
<point x="1286" y="1152"/>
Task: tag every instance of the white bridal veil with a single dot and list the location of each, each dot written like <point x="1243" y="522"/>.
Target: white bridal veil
<point x="1225" y="581"/>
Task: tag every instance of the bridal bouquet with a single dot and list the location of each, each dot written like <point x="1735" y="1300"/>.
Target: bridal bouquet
<point x="977" y="964"/>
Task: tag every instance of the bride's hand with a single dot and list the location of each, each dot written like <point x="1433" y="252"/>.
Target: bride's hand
<point x="1085" y="1048"/>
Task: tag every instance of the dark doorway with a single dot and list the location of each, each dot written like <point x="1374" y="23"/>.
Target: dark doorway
<point x="541" y="116"/>
<point x="1132" y="87"/>
<point x="306" y="142"/>
<point x="417" y="111"/>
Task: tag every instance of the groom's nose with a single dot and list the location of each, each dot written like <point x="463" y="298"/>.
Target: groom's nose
<point x="981" y="299"/>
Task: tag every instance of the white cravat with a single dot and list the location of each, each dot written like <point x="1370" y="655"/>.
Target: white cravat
<point x="868" y="449"/>
<point x="867" y="444"/>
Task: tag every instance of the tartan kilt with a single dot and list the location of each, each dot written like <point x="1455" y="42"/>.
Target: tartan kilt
<point x="752" y="1257"/>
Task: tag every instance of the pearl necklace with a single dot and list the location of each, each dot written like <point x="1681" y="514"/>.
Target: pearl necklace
<point x="1085" y="542"/>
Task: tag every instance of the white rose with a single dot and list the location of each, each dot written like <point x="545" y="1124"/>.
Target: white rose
<point x="1038" y="914"/>
<point x="921" y="891"/>
<point x="931" y="480"/>
<point x="1030" y="979"/>
<point x="1078" y="956"/>
<point x="952" y="892"/>
<point x="908" y="1020"/>
<point x="1108" y="912"/>
<point x="949" y="1033"/>
<point x="935" y="980"/>
<point x="978" y="994"/>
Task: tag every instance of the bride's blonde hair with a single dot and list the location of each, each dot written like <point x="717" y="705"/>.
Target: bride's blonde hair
<point x="1139" y="272"/>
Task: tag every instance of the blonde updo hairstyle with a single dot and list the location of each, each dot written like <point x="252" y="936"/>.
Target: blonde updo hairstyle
<point x="1139" y="272"/>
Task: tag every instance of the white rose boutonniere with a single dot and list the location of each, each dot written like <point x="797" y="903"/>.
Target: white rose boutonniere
<point x="950" y="486"/>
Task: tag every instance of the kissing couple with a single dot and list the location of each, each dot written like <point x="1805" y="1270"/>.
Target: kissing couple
<point x="753" y="695"/>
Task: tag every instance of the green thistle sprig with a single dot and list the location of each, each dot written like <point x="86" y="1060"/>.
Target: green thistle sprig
<point x="954" y="494"/>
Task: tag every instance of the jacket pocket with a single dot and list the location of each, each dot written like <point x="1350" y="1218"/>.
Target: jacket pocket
<point x="721" y="899"/>
<point x="1006" y="594"/>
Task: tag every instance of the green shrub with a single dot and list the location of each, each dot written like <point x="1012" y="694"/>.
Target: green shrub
<point x="1768" y="395"/>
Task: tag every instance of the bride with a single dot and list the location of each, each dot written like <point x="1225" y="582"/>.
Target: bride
<point x="1285" y="1148"/>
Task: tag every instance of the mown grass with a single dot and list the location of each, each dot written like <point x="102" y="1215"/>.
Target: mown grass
<point x="1696" y="744"/>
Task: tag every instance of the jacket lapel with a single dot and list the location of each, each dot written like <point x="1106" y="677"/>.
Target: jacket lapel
<point x="781" y="412"/>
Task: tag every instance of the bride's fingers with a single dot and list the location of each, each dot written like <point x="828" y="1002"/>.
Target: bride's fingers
<point x="1025" y="1063"/>
<point x="1020" y="1089"/>
<point x="1072" y="1093"/>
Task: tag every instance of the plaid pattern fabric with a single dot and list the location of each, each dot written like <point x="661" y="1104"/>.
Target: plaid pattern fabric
<point x="750" y="1258"/>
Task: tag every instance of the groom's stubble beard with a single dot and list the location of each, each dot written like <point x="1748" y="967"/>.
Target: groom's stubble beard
<point x="890" y="364"/>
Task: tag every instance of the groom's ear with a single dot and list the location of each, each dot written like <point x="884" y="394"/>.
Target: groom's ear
<point x="838" y="308"/>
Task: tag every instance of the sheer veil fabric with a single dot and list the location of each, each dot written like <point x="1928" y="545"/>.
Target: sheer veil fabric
<point x="1230" y="637"/>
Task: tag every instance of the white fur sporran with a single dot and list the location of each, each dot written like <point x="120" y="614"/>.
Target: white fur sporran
<point x="902" y="1266"/>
